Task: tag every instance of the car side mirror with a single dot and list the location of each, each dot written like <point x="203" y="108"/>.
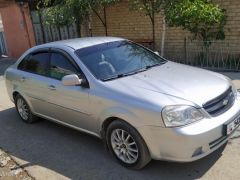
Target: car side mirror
<point x="157" y="53"/>
<point x="71" y="80"/>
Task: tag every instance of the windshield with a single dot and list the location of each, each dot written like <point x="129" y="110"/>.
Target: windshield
<point x="117" y="59"/>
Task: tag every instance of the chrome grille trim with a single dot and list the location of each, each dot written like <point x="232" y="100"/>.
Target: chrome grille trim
<point x="217" y="106"/>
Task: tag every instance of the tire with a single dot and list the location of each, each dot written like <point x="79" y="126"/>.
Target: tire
<point x="24" y="110"/>
<point x="133" y="153"/>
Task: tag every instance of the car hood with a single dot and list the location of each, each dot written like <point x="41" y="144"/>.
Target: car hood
<point x="185" y="82"/>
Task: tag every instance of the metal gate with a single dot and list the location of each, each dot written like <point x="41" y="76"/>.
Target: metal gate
<point x="45" y="33"/>
<point x="3" y="48"/>
<point x="221" y="55"/>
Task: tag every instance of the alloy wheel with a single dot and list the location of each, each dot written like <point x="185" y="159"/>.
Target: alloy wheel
<point x="124" y="146"/>
<point x="23" y="109"/>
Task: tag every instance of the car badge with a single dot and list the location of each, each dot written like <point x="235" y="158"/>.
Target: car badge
<point x="225" y="102"/>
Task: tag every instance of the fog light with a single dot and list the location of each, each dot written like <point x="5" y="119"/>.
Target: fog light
<point x="197" y="152"/>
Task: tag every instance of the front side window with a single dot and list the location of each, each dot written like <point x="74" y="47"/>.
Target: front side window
<point x="36" y="63"/>
<point x="116" y="59"/>
<point x="60" y="66"/>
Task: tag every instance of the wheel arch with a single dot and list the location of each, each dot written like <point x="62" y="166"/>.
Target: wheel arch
<point x="117" y="113"/>
<point x="14" y="95"/>
<point x="106" y="123"/>
<point x="109" y="120"/>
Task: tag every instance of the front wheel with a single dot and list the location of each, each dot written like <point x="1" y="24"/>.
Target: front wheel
<point x="126" y="145"/>
<point x="23" y="110"/>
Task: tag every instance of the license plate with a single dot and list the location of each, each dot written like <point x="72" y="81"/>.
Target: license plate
<point x="232" y="126"/>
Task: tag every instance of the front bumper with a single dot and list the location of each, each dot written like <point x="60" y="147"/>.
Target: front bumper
<point x="191" y="142"/>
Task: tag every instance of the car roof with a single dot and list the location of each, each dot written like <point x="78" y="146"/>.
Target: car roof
<point x="79" y="43"/>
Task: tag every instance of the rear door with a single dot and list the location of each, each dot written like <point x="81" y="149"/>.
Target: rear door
<point x="34" y="70"/>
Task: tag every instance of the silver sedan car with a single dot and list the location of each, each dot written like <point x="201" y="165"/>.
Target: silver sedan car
<point x="142" y="106"/>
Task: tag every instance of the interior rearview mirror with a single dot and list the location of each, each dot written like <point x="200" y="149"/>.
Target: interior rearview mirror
<point x="71" y="80"/>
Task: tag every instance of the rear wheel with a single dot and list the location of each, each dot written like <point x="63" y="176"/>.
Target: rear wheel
<point x="126" y="145"/>
<point x="23" y="110"/>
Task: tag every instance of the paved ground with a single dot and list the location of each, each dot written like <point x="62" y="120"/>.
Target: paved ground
<point x="50" y="151"/>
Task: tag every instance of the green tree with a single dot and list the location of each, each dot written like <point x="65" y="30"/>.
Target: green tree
<point x="202" y="18"/>
<point x="65" y="12"/>
<point x="99" y="7"/>
<point x="150" y="8"/>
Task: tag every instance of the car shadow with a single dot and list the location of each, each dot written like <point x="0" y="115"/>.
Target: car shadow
<point x="80" y="156"/>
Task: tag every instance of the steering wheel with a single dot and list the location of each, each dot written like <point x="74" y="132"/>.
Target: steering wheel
<point x="106" y="63"/>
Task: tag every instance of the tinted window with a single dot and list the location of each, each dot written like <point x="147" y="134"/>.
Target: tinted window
<point x="23" y="63"/>
<point x="61" y="66"/>
<point x="36" y="63"/>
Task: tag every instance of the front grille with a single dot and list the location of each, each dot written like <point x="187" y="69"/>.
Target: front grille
<point x="220" y="104"/>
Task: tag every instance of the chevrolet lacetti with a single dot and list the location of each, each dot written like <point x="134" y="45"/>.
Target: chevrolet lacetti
<point x="141" y="105"/>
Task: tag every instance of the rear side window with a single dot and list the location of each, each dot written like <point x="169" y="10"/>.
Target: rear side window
<point x="36" y="63"/>
<point x="61" y="66"/>
<point x="21" y="66"/>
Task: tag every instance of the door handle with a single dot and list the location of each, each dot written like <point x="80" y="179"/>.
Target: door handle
<point x="52" y="87"/>
<point x="23" y="79"/>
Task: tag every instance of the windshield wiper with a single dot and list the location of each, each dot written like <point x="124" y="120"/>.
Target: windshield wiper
<point x="125" y="74"/>
<point x="154" y="65"/>
<point x="133" y="72"/>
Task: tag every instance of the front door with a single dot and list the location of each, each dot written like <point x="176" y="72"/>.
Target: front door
<point x="69" y="104"/>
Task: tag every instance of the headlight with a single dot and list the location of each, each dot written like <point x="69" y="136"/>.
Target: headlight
<point x="180" y="115"/>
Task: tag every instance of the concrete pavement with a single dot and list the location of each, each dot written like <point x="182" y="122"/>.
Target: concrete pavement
<point x="50" y="151"/>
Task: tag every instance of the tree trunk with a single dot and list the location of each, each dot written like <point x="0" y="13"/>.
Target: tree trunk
<point x="185" y="50"/>
<point x="78" y="27"/>
<point x="68" y="33"/>
<point x="163" y="35"/>
<point x="153" y="31"/>
<point x="51" y="32"/>
<point x="105" y="20"/>
<point x="41" y="25"/>
<point x="59" y="32"/>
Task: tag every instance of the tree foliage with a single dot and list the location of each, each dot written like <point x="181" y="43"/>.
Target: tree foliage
<point x="202" y="18"/>
<point x="102" y="3"/>
<point x="150" y="8"/>
<point x="67" y="12"/>
<point x="99" y="7"/>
